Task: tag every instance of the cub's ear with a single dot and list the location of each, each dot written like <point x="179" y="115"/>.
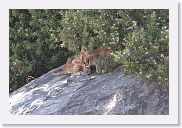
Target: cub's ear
<point x="75" y="61"/>
<point x="84" y="50"/>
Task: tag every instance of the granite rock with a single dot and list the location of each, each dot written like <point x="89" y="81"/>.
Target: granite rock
<point x="111" y="93"/>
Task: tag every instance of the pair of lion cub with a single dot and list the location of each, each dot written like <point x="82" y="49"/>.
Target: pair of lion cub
<point x="81" y="64"/>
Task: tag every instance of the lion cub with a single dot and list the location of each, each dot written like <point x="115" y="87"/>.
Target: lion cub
<point x="92" y="57"/>
<point x="75" y="65"/>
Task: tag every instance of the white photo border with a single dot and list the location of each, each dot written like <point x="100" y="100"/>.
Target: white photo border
<point x="7" y="118"/>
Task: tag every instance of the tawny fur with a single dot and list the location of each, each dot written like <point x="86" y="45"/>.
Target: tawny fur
<point x="92" y="57"/>
<point x="75" y="65"/>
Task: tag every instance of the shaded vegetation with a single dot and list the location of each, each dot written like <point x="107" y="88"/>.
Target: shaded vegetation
<point x="41" y="40"/>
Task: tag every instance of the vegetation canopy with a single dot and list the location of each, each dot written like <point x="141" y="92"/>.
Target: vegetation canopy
<point x="41" y="40"/>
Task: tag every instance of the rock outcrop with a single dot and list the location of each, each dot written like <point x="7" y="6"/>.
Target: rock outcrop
<point x="110" y="93"/>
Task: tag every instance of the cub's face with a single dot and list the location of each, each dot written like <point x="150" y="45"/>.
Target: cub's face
<point x="86" y="70"/>
<point x="76" y="61"/>
<point x="86" y="60"/>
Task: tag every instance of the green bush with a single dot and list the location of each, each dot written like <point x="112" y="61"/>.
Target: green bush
<point x="139" y="38"/>
<point x="35" y="46"/>
<point x="105" y="64"/>
<point x="93" y="28"/>
<point x="43" y="39"/>
<point x="146" y="49"/>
